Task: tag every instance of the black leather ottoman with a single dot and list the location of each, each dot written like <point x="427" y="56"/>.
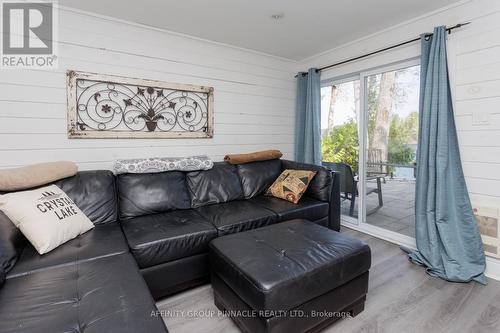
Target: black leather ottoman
<point x="294" y="276"/>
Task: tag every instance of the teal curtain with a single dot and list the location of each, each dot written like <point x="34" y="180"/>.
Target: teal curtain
<point x="308" y="118"/>
<point x="448" y="240"/>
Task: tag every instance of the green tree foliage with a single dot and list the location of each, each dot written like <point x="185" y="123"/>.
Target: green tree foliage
<point x="342" y="145"/>
<point x="402" y="132"/>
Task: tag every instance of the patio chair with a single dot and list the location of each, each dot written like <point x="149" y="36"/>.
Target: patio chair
<point x="376" y="164"/>
<point x="349" y="184"/>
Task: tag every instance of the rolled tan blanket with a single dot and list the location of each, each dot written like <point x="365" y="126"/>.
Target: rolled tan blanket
<point x="253" y="157"/>
<point x="35" y="175"/>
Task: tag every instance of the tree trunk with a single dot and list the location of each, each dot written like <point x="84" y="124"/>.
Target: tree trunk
<point x="331" y="110"/>
<point x="372" y="99"/>
<point x="383" y="117"/>
<point x="357" y="106"/>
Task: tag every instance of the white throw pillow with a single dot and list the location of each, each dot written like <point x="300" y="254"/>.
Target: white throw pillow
<point x="46" y="216"/>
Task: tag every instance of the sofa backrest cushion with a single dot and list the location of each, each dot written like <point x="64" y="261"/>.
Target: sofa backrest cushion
<point x="94" y="192"/>
<point x="256" y="177"/>
<point x="151" y="193"/>
<point x="12" y="242"/>
<point x="217" y="185"/>
<point x="320" y="186"/>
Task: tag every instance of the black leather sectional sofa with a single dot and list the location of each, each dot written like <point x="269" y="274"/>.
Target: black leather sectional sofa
<point x="150" y="239"/>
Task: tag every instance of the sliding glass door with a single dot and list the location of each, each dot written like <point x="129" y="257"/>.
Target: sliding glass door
<point x="370" y="132"/>
<point x="392" y="97"/>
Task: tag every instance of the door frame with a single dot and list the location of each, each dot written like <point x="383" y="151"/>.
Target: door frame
<point x="360" y="223"/>
<point x="345" y="219"/>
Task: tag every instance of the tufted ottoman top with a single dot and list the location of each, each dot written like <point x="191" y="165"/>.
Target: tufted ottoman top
<point x="281" y="266"/>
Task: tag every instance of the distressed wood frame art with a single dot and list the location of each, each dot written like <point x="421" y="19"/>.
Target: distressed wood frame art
<point x="106" y="106"/>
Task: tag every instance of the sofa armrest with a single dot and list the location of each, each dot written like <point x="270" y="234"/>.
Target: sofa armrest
<point x="2" y="276"/>
<point x="325" y="186"/>
<point x="12" y="241"/>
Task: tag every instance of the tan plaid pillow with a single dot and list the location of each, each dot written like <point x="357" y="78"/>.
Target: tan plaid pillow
<point x="291" y="185"/>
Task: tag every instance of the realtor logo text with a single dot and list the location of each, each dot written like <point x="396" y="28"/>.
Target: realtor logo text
<point x="28" y="31"/>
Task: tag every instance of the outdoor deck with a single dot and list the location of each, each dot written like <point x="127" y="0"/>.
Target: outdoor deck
<point x="398" y="212"/>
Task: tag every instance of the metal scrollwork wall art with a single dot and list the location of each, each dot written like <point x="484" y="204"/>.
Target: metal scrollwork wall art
<point x="105" y="106"/>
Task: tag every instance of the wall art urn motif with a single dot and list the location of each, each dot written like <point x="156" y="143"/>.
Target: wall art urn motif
<point x="106" y="106"/>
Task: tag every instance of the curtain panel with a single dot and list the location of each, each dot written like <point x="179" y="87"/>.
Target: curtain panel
<point x="308" y="118"/>
<point x="448" y="241"/>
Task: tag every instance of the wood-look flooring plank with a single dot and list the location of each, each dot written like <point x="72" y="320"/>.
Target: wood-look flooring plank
<point x="401" y="298"/>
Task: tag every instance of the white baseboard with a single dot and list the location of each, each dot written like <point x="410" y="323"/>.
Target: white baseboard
<point x="492" y="268"/>
<point x="492" y="264"/>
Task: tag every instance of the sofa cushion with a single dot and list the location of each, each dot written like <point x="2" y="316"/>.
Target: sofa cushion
<point x="321" y="185"/>
<point x="256" y="177"/>
<point x="159" y="238"/>
<point x="237" y="216"/>
<point x="12" y="242"/>
<point x="104" y="240"/>
<point x="291" y="263"/>
<point x="94" y="193"/>
<point x="219" y="184"/>
<point x="103" y="295"/>
<point x="152" y="193"/>
<point x="307" y="208"/>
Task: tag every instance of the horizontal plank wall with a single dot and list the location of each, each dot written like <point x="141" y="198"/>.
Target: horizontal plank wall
<point x="474" y="64"/>
<point x="253" y="100"/>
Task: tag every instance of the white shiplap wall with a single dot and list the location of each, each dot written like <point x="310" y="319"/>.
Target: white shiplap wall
<point x="254" y="94"/>
<point x="474" y="63"/>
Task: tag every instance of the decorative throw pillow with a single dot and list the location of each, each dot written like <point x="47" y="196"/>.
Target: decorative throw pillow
<point x="162" y="164"/>
<point x="46" y="216"/>
<point x="291" y="185"/>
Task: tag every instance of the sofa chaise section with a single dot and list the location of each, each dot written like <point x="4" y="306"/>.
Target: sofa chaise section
<point x="102" y="295"/>
<point x="89" y="284"/>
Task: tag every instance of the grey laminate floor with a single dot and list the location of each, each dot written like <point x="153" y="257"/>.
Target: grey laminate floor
<point x="401" y="298"/>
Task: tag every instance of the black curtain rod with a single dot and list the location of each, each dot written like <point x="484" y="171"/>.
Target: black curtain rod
<point x="387" y="48"/>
